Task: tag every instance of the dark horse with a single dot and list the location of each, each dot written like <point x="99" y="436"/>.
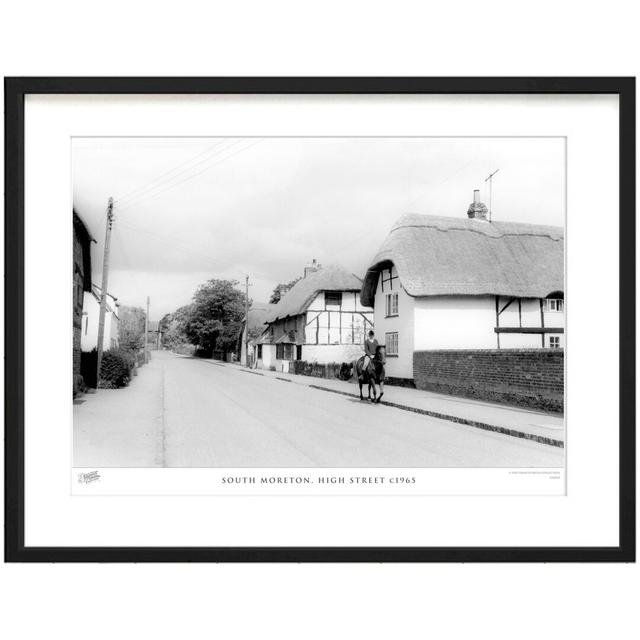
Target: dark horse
<point x="372" y="375"/>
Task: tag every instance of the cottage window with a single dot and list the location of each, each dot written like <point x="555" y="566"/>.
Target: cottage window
<point x="554" y="304"/>
<point x="284" y="351"/>
<point x="391" y="307"/>
<point x="391" y="343"/>
<point x="333" y="298"/>
<point x="554" y="342"/>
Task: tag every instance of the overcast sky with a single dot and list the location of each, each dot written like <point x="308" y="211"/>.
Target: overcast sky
<point x="191" y="209"/>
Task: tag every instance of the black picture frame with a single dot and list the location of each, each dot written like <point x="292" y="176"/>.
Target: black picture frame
<point x="15" y="91"/>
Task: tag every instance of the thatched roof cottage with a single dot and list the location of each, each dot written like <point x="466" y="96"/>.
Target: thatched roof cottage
<point x="258" y="314"/>
<point x="320" y="319"/>
<point x="454" y="283"/>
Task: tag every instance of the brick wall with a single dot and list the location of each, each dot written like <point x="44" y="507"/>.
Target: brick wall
<point x="531" y="378"/>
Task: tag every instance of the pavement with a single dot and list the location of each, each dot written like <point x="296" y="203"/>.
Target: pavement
<point x="543" y="427"/>
<point x="188" y="412"/>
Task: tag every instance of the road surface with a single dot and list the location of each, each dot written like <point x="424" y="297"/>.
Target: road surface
<point x="186" y="412"/>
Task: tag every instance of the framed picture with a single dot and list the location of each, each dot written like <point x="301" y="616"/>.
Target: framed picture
<point x="320" y="319"/>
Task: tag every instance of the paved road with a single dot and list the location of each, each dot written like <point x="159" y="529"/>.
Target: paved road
<point x="196" y="413"/>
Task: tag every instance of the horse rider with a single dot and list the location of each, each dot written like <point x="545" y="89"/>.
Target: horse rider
<point x="370" y="349"/>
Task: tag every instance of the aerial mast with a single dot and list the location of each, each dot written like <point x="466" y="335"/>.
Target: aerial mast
<point x="490" y="179"/>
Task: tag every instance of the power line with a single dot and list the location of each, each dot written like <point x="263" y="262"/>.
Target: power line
<point x="191" y="177"/>
<point x="127" y="261"/>
<point x="148" y="187"/>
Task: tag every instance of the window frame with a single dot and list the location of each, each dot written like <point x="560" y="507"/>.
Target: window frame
<point x="389" y="352"/>
<point x="335" y="294"/>
<point x="388" y="305"/>
<point x="558" y="303"/>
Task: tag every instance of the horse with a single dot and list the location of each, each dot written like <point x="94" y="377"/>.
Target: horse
<point x="373" y="374"/>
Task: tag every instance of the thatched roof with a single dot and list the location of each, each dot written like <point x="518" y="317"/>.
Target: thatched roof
<point x="96" y="292"/>
<point x="85" y="239"/>
<point x="258" y="314"/>
<point x="436" y="256"/>
<point x="303" y="292"/>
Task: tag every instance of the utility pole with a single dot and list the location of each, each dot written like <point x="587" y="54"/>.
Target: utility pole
<point x="246" y="320"/>
<point x="105" y="284"/>
<point x="490" y="179"/>
<point x="146" y="333"/>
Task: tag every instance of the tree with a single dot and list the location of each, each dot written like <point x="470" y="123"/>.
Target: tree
<point x="131" y="328"/>
<point x="172" y="328"/>
<point x="213" y="320"/>
<point x="277" y="292"/>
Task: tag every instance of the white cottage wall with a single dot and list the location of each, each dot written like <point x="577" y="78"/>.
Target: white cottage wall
<point x="89" y="329"/>
<point x="527" y="313"/>
<point x="268" y="356"/>
<point x="455" y="322"/>
<point x="520" y="341"/>
<point x="335" y="326"/>
<point x="401" y="365"/>
<point x="530" y="312"/>
<point x="325" y="354"/>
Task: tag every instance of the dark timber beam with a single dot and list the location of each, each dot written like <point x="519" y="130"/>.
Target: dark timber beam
<point x="529" y="330"/>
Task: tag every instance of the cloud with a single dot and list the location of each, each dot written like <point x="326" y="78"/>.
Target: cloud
<point x="238" y="206"/>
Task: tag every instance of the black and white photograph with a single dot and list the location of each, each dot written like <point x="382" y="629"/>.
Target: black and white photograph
<point x="385" y="325"/>
<point x="320" y="320"/>
<point x="318" y="302"/>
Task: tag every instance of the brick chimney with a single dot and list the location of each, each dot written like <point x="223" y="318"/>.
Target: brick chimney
<point x="477" y="210"/>
<point x="312" y="267"/>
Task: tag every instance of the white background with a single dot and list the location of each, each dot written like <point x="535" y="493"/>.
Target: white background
<point x="587" y="516"/>
<point x="371" y="38"/>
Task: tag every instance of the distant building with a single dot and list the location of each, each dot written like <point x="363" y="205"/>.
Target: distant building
<point x="442" y="283"/>
<point x="320" y="319"/>
<point x="82" y="240"/>
<point x="91" y="316"/>
<point x="258" y="314"/>
<point x="154" y="334"/>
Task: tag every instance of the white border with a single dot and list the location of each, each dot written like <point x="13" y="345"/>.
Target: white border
<point x="587" y="516"/>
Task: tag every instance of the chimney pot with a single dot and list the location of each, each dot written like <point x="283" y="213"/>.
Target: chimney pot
<point x="477" y="210"/>
<point x="312" y="267"/>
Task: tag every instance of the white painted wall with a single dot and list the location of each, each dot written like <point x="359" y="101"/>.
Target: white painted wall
<point x="340" y="330"/>
<point x="455" y="322"/>
<point x="468" y="322"/>
<point x="90" y="318"/>
<point x="520" y="341"/>
<point x="554" y="319"/>
<point x="400" y="366"/>
<point x="350" y="302"/>
<point x="530" y="312"/>
<point x="268" y="356"/>
<point x="331" y="353"/>
<point x="527" y="315"/>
